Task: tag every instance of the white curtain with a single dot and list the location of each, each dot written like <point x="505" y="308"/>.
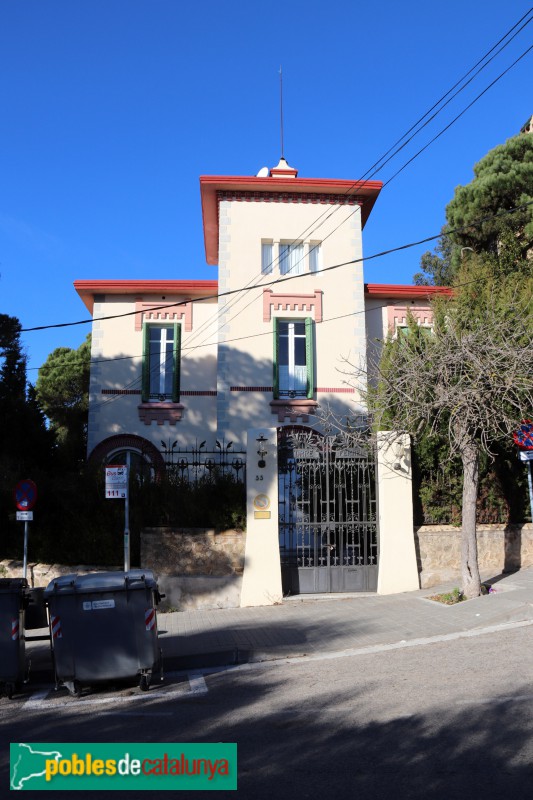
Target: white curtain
<point x="291" y="259"/>
<point x="267" y="257"/>
<point x="292" y="379"/>
<point x="314" y="256"/>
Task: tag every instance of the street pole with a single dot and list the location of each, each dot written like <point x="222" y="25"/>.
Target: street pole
<point x="530" y="484"/>
<point x="25" y="561"/>
<point x="127" y="527"/>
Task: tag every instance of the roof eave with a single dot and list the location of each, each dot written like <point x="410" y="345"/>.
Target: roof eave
<point x="210" y="184"/>
<point x="87" y="289"/>
<point x="401" y="291"/>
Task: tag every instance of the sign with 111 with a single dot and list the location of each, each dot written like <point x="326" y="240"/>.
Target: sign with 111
<point x="116" y="482"/>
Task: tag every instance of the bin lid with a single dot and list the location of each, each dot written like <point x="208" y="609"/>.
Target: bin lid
<point x="96" y="582"/>
<point x="13" y="585"/>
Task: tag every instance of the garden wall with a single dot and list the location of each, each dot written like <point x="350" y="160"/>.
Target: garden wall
<point x="196" y="568"/>
<point x="199" y="568"/>
<point x="500" y="549"/>
<point x="40" y="575"/>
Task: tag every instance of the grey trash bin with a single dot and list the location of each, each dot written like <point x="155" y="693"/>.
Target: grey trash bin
<point x="103" y="627"/>
<point x="12" y="644"/>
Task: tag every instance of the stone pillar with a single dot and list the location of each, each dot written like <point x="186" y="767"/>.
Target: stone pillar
<point x="261" y="582"/>
<point x="398" y="570"/>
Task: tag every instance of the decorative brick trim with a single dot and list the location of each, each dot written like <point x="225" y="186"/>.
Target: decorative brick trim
<point x="290" y="197"/>
<point x="160" y="312"/>
<point x="293" y="409"/>
<point x="332" y="390"/>
<point x="199" y="393"/>
<point x="323" y="389"/>
<point x="397" y="316"/>
<point x="160" y="413"/>
<point x="251" y="389"/>
<point x="292" y="302"/>
<point x="187" y="393"/>
<point x="121" y="391"/>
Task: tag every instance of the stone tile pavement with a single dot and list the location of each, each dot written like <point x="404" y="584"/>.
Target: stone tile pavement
<point x="307" y="625"/>
<point x="311" y="625"/>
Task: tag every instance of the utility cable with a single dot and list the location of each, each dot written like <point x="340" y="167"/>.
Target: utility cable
<point x="256" y="281"/>
<point x="365" y="311"/>
<point x="285" y="278"/>
<point x="383" y="160"/>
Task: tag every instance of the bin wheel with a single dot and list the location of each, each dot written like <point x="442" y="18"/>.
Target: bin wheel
<point x="74" y="688"/>
<point x="144" y="682"/>
<point x="9" y="688"/>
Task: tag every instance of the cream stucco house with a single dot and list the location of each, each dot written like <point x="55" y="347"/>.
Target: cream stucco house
<point x="266" y="342"/>
<point x="264" y="346"/>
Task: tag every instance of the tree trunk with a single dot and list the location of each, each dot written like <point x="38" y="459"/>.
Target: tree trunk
<point x="469" y="564"/>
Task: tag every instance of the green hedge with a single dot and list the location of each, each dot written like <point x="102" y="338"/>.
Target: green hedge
<point x="75" y="524"/>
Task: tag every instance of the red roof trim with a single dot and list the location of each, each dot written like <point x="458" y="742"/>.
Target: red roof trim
<point x="393" y="290"/>
<point x="210" y="184"/>
<point x="88" y="289"/>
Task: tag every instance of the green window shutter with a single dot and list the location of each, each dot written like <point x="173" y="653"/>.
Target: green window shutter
<point x="310" y="356"/>
<point x="176" y="364"/>
<point x="275" y="362"/>
<point x="145" y="392"/>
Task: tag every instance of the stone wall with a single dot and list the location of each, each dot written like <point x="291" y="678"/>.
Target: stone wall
<point x="500" y="549"/>
<point x="203" y="569"/>
<point x="40" y="575"/>
<point x="196" y="568"/>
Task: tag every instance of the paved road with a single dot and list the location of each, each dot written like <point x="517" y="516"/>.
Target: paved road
<point x="433" y="720"/>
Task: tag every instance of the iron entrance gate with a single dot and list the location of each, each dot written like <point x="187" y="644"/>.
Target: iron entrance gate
<point x="327" y="514"/>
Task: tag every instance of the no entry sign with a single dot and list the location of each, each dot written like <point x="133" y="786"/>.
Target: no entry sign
<point x="523" y="437"/>
<point x="25" y="495"/>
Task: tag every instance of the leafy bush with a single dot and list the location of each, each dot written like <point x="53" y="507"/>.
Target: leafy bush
<point x="437" y="486"/>
<point x="216" y="501"/>
<point x="75" y="524"/>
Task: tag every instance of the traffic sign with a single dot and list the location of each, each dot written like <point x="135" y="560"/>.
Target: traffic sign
<point x="526" y="455"/>
<point x="523" y="437"/>
<point x="25" y="495"/>
<point x="24" y="516"/>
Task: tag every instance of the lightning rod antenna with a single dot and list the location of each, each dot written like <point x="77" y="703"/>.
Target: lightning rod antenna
<point x="281" y="108"/>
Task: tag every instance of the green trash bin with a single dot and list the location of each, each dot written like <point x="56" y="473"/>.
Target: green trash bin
<point x="103" y="627"/>
<point x="13" y="597"/>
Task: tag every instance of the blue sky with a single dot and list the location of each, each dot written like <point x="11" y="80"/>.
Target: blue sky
<point x="112" y="109"/>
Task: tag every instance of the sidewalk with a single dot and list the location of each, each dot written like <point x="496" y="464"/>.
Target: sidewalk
<point x="320" y="624"/>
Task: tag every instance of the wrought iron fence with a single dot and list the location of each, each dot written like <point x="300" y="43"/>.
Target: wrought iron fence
<point x="196" y="464"/>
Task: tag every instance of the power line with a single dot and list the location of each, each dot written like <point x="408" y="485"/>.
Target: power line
<point x="267" y="333"/>
<point x="286" y="278"/>
<point x="138" y="379"/>
<point x="355" y="185"/>
<point x="479" y="96"/>
<point x="378" y="165"/>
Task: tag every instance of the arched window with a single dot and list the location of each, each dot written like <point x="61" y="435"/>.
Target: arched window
<point x="139" y="467"/>
<point x="143" y="459"/>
